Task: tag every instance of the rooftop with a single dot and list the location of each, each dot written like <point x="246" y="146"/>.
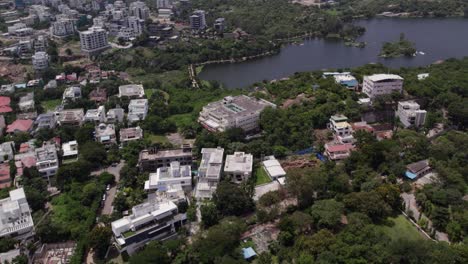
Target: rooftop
<point x="418" y="166"/>
<point x="46" y="153"/>
<point x="383" y="77"/>
<point x="153" y="153"/>
<point x="131" y="90"/>
<point x="20" y="126"/>
<point x="239" y="162"/>
<point x="130" y="133"/>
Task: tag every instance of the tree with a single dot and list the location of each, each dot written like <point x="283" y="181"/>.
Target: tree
<point x="369" y="203"/>
<point x="230" y="199"/>
<point x="93" y="152"/>
<point x="154" y="252"/>
<point x="327" y="213"/>
<point x="99" y="240"/>
<point x="209" y="215"/>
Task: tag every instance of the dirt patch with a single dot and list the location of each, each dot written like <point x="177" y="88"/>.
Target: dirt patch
<point x="304" y="161"/>
<point x="298" y="100"/>
<point x="262" y="235"/>
<point x="14" y="72"/>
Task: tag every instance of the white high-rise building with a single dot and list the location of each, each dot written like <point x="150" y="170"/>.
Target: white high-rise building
<point x="410" y="114"/>
<point x="40" y="61"/>
<point x="136" y="25"/>
<point x="93" y="40"/>
<point x="382" y="84"/>
<point x="197" y="20"/>
<point x="63" y="27"/>
<point x="164" y="4"/>
<point x="139" y="10"/>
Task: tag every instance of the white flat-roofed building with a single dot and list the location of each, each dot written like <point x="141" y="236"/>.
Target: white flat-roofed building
<point x="26" y="103"/>
<point x="165" y="177"/>
<point x="410" y="114"/>
<point x="238" y="167"/>
<point x="72" y="93"/>
<point x="94" y="40"/>
<point x="70" y="150"/>
<point x="273" y="168"/>
<point x="238" y="111"/>
<point x="63" y="27"/>
<point x="343" y="78"/>
<point x="340" y="126"/>
<point x="105" y="134"/>
<point x="115" y="115"/>
<point x="132" y="91"/>
<point x="137" y="110"/>
<point x="47" y="160"/>
<point x="96" y="115"/>
<point x="153" y="158"/>
<point x="130" y="134"/>
<point x="152" y="220"/>
<point x="382" y="84"/>
<point x="7" y="151"/>
<point x="209" y="172"/>
<point x="15" y="216"/>
<point x="40" y="61"/>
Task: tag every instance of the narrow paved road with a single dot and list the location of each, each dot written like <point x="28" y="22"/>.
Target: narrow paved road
<point x="108" y="208"/>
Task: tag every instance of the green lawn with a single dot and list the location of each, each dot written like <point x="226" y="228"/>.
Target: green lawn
<point x="403" y="229"/>
<point x="182" y="119"/>
<point x="262" y="176"/>
<point x="50" y="105"/>
<point x="157" y="138"/>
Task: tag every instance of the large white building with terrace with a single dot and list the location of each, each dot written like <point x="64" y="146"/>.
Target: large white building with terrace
<point x="152" y="220"/>
<point x="15" y="216"/>
<point x="131" y="91"/>
<point x="137" y="110"/>
<point x="382" y="84"/>
<point x="209" y="172"/>
<point x="165" y="177"/>
<point x="233" y="111"/>
<point x="410" y="114"/>
<point x="238" y="167"/>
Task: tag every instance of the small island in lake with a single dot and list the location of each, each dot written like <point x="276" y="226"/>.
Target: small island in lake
<point x="402" y="47"/>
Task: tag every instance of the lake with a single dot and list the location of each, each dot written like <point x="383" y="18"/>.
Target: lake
<point x="438" y="38"/>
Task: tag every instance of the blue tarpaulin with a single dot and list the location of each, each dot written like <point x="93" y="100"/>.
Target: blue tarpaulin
<point x="248" y="253"/>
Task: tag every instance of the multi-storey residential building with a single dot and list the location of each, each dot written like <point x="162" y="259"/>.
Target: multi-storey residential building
<point x="45" y="121"/>
<point x="137" y="110"/>
<point x="410" y="114"/>
<point x="139" y="10"/>
<point x="220" y="24"/>
<point x="26" y="103"/>
<point x="165" y="4"/>
<point x="209" y="172"/>
<point x="166" y="177"/>
<point x="132" y="91"/>
<point x="7" y="151"/>
<point x="72" y="117"/>
<point x="153" y="220"/>
<point x="382" y="84"/>
<point x="72" y="93"/>
<point x="63" y="27"/>
<point x="105" y="134"/>
<point x="238" y="167"/>
<point x="96" y="115"/>
<point x="70" y="150"/>
<point x="151" y="159"/>
<point x="15" y="216"/>
<point x="47" y="160"/>
<point x="197" y="20"/>
<point x="338" y="151"/>
<point x="115" y="115"/>
<point x="130" y="134"/>
<point x="40" y="61"/>
<point x="136" y="25"/>
<point x="93" y="40"/>
<point x="341" y="128"/>
<point x="239" y="111"/>
<point x="41" y="11"/>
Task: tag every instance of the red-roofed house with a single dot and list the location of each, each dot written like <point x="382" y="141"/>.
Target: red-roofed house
<point x="5" y="180"/>
<point x="338" y="151"/>
<point x="5" y="104"/>
<point x="20" y="125"/>
<point x="362" y="126"/>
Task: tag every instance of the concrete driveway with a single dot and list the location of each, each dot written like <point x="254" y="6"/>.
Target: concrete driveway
<point x="108" y="208"/>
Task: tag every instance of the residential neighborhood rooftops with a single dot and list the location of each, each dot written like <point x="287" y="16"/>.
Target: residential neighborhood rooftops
<point x="131" y="90"/>
<point x="20" y="126"/>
